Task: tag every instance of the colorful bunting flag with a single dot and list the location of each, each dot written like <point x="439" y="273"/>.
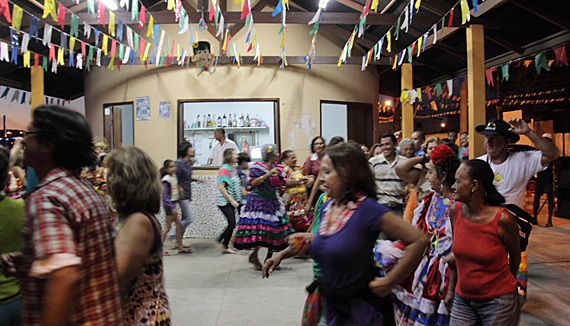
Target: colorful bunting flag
<point x="489" y="76"/>
<point x="61" y="15"/>
<point x="111" y="23"/>
<point x="17" y="13"/>
<point x="5" y="10"/>
<point x="541" y="62"/>
<point x="505" y="71"/>
<point x="560" y="53"/>
<point x="49" y="9"/>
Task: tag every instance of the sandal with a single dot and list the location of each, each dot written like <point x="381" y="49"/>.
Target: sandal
<point x="185" y="251"/>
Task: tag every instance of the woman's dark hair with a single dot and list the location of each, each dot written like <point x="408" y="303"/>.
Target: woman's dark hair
<point x="481" y="171"/>
<point x="68" y="132"/>
<point x="285" y="155"/>
<point x="351" y="165"/>
<point x="4" y="166"/>
<point x="228" y="153"/>
<point x="335" y="140"/>
<point x="313" y="143"/>
<point x="243" y="157"/>
<point x="449" y="167"/>
<point x="183" y="149"/>
<point x="164" y="167"/>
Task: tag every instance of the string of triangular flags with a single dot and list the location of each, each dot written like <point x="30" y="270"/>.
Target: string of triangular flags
<point x="282" y="8"/>
<point x="315" y="21"/>
<point x="20" y="96"/>
<point x="404" y="21"/>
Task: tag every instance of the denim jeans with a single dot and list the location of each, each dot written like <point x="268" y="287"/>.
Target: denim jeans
<point x="185" y="219"/>
<point x="11" y="313"/>
<point x="503" y="310"/>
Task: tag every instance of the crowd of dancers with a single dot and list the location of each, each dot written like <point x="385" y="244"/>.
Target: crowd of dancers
<point x="408" y="232"/>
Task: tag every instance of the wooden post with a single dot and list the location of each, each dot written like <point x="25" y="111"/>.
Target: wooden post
<point x="463" y="118"/>
<point x="407" y="109"/>
<point x="37" y="81"/>
<point x="476" y="87"/>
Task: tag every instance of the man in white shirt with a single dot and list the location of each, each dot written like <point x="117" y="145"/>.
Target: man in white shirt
<point x="220" y="145"/>
<point x="514" y="170"/>
<point x="389" y="186"/>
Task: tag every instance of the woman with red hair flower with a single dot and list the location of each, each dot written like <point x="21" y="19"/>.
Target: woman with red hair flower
<point x="420" y="298"/>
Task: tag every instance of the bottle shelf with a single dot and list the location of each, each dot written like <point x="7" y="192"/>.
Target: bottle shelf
<point x="226" y="128"/>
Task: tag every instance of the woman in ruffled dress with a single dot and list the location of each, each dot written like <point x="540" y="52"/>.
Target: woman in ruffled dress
<point x="135" y="187"/>
<point x="295" y="195"/>
<point x="420" y="298"/>
<point x="263" y="222"/>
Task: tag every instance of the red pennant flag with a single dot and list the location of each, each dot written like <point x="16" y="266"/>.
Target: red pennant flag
<point x="5" y="10"/>
<point x="172" y="49"/>
<point x="560" y="53"/>
<point x="142" y="17"/>
<point x="141" y="48"/>
<point x="245" y="10"/>
<point x="83" y="50"/>
<point x="118" y="64"/>
<point x="167" y="61"/>
<point x="51" y="52"/>
<point x="212" y="11"/>
<point x="428" y="89"/>
<point x="489" y="76"/>
<point x="451" y="17"/>
<point x="36" y="59"/>
<point x="250" y="47"/>
<point x="61" y="15"/>
<point x="113" y="47"/>
<point x="101" y="13"/>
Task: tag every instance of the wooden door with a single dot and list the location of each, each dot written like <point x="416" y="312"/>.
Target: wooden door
<point x="112" y="127"/>
<point x="360" y="123"/>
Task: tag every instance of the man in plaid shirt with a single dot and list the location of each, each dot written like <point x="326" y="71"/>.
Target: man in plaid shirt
<point x="68" y="257"/>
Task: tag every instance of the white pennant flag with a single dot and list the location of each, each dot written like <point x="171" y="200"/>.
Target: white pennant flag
<point x="434" y="27"/>
<point x="127" y="55"/>
<point x="4" y="55"/>
<point x="47" y="34"/>
<point x="256" y="51"/>
<point x="401" y="60"/>
<point x="185" y="26"/>
<point x="25" y="40"/>
<point x="160" y="42"/>
<point x="79" y="62"/>
<point x="450" y="86"/>
<point x="221" y="27"/>
<point x="99" y="57"/>
<point x="181" y="62"/>
<point x="316" y="17"/>
<point x="405" y="22"/>
<point x="412" y="95"/>
<point x="344" y="53"/>
<point x="363" y="63"/>
<point x="86" y="30"/>
<point x="125" y="4"/>
<point x="130" y="37"/>
<point x="54" y="66"/>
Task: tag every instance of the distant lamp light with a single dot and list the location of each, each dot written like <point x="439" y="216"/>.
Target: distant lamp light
<point x="388" y="103"/>
<point x="442" y="124"/>
<point x="110" y="4"/>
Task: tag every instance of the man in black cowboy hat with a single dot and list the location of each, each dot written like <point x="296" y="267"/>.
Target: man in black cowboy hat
<point x="513" y="170"/>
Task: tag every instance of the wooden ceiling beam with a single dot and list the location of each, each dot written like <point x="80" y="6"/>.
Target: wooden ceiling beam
<point x="543" y="13"/>
<point x="351" y="4"/>
<point x="509" y="45"/>
<point x="256" y="8"/>
<point x="189" y="10"/>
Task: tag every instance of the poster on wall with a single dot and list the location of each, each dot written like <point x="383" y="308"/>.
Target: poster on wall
<point x="164" y="110"/>
<point x="143" y="108"/>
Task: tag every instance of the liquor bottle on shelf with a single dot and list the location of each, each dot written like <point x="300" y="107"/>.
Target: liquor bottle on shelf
<point x="214" y="120"/>
<point x="224" y="121"/>
<point x="197" y="122"/>
<point x="186" y="124"/>
<point x="230" y="123"/>
<point x="247" y="120"/>
<point x="219" y="123"/>
<point x="235" y="122"/>
<point x="241" y="121"/>
<point x="209" y="124"/>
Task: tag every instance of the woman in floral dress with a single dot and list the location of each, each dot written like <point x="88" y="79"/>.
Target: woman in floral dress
<point x="295" y="195"/>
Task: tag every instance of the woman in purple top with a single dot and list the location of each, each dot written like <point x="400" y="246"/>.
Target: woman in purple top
<point x="350" y="224"/>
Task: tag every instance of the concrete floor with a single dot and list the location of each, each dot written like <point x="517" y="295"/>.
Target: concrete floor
<point x="207" y="288"/>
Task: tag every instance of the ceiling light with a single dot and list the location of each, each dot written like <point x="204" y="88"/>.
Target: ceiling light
<point x="388" y="103"/>
<point x="110" y="4"/>
<point x="442" y="124"/>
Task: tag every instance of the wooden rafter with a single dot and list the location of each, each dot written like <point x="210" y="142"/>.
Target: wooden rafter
<point x="543" y="13"/>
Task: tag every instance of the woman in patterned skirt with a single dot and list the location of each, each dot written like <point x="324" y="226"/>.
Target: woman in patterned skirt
<point x="263" y="222"/>
<point x="295" y="195"/>
<point x="135" y="187"/>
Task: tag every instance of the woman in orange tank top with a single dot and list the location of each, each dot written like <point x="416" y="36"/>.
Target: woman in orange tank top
<point x="485" y="252"/>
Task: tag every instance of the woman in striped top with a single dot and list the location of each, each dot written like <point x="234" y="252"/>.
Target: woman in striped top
<point x="229" y="196"/>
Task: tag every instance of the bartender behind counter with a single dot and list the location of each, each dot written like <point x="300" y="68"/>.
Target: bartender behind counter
<point x="220" y="145"/>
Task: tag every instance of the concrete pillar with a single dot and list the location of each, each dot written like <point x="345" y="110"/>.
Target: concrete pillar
<point x="476" y="87"/>
<point x="37" y="81"/>
<point x="407" y="109"/>
<point x="463" y="118"/>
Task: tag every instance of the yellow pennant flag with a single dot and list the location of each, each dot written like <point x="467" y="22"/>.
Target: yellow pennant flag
<point x="282" y="41"/>
<point x="286" y="3"/>
<point x="150" y="30"/>
<point x="417" y="5"/>
<point x="285" y="59"/>
<point x="420" y="45"/>
<point x="170" y="5"/>
<point x="27" y="59"/>
<point x="146" y="52"/>
<point x="404" y="96"/>
<point x="49" y="9"/>
<point x="389" y="36"/>
<point x="17" y="17"/>
<point x="60" y="54"/>
<point x="111" y="66"/>
<point x="395" y="62"/>
<point x="225" y="41"/>
<point x="465" y="16"/>
<point x="419" y="90"/>
<point x="237" y="1"/>
<point x="112" y="23"/>
<point x="104" y="45"/>
<point x="177" y="51"/>
<point x="352" y="41"/>
<point x="374" y="5"/>
<point x="71" y="43"/>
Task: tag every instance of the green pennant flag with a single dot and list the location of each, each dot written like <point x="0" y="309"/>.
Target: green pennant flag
<point x="410" y="54"/>
<point x="282" y="29"/>
<point x="438" y="88"/>
<point x="375" y="51"/>
<point x="44" y="64"/>
<point x="246" y="19"/>
<point x="137" y="42"/>
<point x="91" y="7"/>
<point x="541" y="62"/>
<point x="135" y="11"/>
<point x="217" y="17"/>
<point x="23" y="98"/>
<point x="505" y="71"/>
<point x="441" y="29"/>
<point x="74" y="26"/>
<point x="121" y="50"/>
<point x="5" y="93"/>
<point x="315" y="28"/>
<point x="397" y="31"/>
<point x="162" y="59"/>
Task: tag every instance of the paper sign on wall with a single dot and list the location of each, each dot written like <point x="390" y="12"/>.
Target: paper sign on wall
<point x="143" y="108"/>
